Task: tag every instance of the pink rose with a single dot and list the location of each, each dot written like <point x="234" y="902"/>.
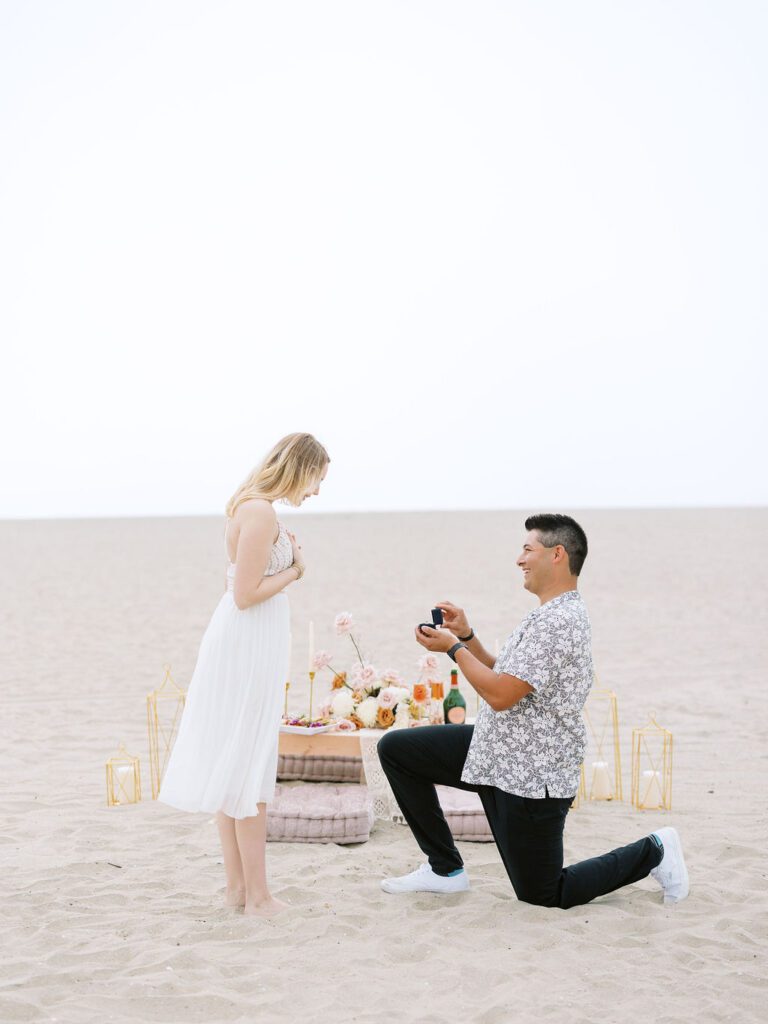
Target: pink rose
<point x="429" y="663"/>
<point x="392" y="678"/>
<point x="344" y="623"/>
<point x="368" y="675"/>
<point x="321" y="660"/>
<point x="344" y="725"/>
<point x="388" y="697"/>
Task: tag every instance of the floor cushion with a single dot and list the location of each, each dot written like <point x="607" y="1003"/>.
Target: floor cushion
<point x="320" y="813"/>
<point x="312" y="768"/>
<point x="465" y="815"/>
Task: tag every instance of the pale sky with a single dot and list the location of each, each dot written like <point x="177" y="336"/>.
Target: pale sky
<point x="493" y="254"/>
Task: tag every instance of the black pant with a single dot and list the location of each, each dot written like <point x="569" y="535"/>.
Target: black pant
<point x="528" y="832"/>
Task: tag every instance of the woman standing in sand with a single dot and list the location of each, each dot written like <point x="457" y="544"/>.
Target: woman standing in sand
<point x="225" y="755"/>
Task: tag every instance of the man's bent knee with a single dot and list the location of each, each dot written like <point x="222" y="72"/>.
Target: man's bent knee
<point x="539" y="897"/>
<point x="390" y="745"/>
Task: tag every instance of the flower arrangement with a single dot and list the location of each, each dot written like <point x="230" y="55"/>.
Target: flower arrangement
<point x="367" y="698"/>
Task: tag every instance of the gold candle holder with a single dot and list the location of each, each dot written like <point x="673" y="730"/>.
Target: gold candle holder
<point x="311" y="692"/>
<point x="285" y="705"/>
<point x="603" y="760"/>
<point x="123" y="778"/>
<point x="652" y="767"/>
<point x="581" y="792"/>
<point x="165" y="706"/>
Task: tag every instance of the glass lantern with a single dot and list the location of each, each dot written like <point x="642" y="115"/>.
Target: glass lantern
<point x="652" y="767"/>
<point x="164" y="709"/>
<point x="123" y="779"/>
<point x="602" y="764"/>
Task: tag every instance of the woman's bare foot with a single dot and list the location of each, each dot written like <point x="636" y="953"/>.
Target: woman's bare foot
<point x="234" y="898"/>
<point x="266" y="907"/>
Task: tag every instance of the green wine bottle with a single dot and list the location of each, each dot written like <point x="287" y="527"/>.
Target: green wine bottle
<point x="454" y="705"/>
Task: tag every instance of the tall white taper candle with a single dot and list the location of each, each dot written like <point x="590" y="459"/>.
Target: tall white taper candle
<point x="311" y="666"/>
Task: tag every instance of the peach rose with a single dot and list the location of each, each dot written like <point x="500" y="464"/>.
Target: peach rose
<point x="385" y="717"/>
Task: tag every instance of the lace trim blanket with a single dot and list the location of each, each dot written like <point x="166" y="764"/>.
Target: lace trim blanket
<point x="384" y="804"/>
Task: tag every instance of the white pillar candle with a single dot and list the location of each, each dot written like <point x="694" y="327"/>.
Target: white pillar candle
<point x="125" y="784"/>
<point x="601" y="781"/>
<point x="311" y="647"/>
<point x="650" y="790"/>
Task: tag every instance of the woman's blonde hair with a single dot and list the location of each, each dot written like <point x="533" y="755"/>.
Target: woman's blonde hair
<point x="292" y="468"/>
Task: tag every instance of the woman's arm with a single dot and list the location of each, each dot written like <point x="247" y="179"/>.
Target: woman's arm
<point x="258" y="523"/>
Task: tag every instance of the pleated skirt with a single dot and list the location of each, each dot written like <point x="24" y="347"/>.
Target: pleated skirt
<point x="225" y="754"/>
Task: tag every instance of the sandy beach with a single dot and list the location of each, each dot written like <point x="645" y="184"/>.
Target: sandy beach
<point x="115" y="914"/>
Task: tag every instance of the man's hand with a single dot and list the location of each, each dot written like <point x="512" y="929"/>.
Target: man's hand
<point x="454" y="618"/>
<point x="437" y="640"/>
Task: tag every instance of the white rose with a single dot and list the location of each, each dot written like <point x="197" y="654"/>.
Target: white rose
<point x="367" y="711"/>
<point x="342" y="704"/>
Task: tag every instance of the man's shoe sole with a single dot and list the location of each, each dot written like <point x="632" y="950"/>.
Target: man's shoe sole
<point x="394" y="890"/>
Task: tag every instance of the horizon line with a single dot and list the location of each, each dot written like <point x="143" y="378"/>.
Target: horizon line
<point x="288" y="510"/>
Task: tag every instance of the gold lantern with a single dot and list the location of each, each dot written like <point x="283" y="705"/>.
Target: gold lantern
<point x="652" y="767"/>
<point x="581" y="792"/>
<point x="603" y="762"/>
<point x="123" y="778"/>
<point x="164" y="709"/>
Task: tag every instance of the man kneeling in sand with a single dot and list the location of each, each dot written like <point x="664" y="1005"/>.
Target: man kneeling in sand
<point x="524" y="754"/>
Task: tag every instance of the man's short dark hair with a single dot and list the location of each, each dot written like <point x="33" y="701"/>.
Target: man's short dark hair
<point x="554" y="529"/>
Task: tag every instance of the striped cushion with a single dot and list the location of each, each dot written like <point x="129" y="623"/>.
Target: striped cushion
<point x="310" y="768"/>
<point x="320" y="814"/>
<point x="465" y="815"/>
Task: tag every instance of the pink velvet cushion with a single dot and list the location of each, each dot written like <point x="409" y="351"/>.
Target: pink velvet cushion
<point x="464" y="814"/>
<point x="320" y="813"/>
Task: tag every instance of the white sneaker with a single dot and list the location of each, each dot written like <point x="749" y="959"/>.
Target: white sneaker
<point x="671" y="873"/>
<point x="424" y="879"/>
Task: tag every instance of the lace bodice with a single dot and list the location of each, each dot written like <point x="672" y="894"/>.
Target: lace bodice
<point x="280" y="557"/>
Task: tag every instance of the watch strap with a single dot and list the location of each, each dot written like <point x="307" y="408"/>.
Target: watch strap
<point x="452" y="652"/>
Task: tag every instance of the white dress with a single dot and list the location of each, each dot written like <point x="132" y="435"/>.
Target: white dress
<point x="225" y="755"/>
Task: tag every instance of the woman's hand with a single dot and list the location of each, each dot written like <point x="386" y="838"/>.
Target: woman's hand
<point x="298" y="557"/>
<point x="438" y="640"/>
<point x="454" y="618"/>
